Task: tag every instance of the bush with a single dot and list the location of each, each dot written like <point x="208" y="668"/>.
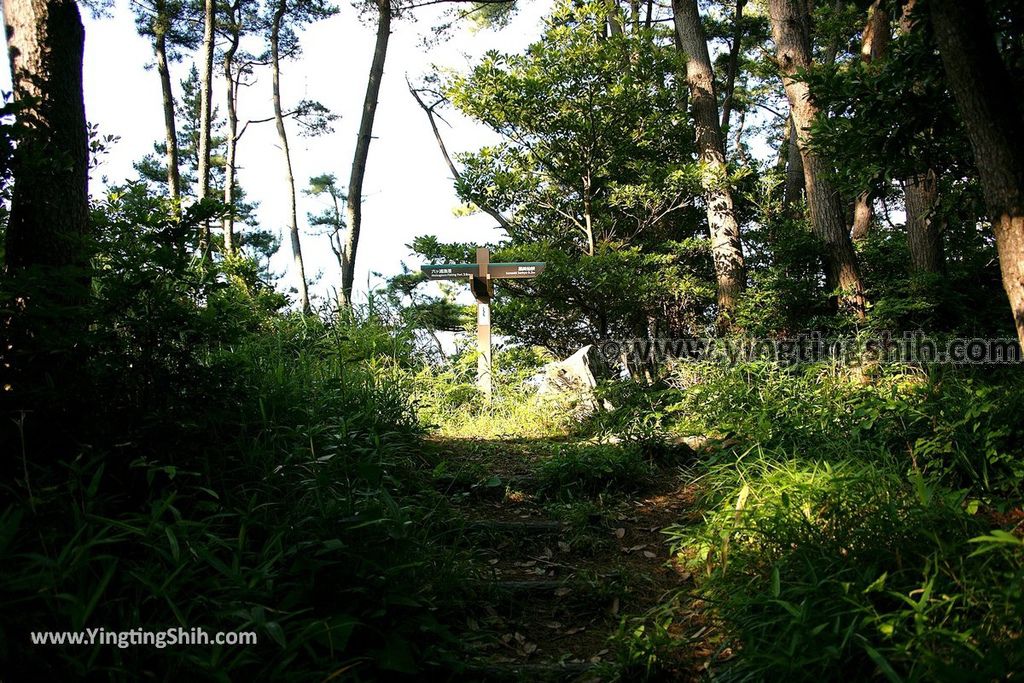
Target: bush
<point x="223" y="466"/>
<point x="844" y="571"/>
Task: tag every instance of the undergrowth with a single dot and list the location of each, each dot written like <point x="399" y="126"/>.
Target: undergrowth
<point x="851" y="529"/>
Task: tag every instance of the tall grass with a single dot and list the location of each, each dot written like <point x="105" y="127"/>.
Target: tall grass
<point x="854" y="529"/>
<point x="285" y="498"/>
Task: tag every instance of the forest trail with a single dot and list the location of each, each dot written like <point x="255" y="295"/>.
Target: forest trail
<point x="568" y="559"/>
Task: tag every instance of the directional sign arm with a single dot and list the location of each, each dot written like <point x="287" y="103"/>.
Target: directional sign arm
<point x="449" y="271"/>
<point x="506" y="271"/>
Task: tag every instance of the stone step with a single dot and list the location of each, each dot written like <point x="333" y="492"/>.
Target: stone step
<point x="549" y="672"/>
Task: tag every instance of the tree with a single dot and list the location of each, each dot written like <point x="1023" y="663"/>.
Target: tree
<point x="206" y="110"/>
<point x="594" y="174"/>
<point x="991" y="110"/>
<point x="456" y="174"/>
<point x="791" y="32"/>
<point x="166" y="23"/>
<point x="233" y="25"/>
<point x="49" y="216"/>
<point x="283" y="36"/>
<point x="354" y="202"/>
<point x="46" y="246"/>
<point x="722" y="224"/>
<point x="874" y="45"/>
<point x="331" y="219"/>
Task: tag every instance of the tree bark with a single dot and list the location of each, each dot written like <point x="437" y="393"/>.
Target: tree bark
<point x="734" y="63"/>
<point x="874" y="42"/>
<point x="924" y="236"/>
<point x="231" y="95"/>
<point x="990" y="108"/>
<point x="49" y="218"/>
<point x="46" y="256"/>
<point x="863" y="215"/>
<point x="354" y="201"/>
<point x="794" y="185"/>
<point x="726" y="249"/>
<point x="282" y="134"/>
<point x="206" y="112"/>
<point x="873" y="46"/>
<point x="161" y="25"/>
<point x="790" y="31"/>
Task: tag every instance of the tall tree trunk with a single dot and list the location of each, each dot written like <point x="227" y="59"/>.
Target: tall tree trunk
<point x="920" y="194"/>
<point x="990" y="108"/>
<point x="161" y="25"/>
<point x="47" y="229"/>
<point x="206" y="112"/>
<point x="924" y="236"/>
<point x="49" y="216"/>
<point x="354" y="201"/>
<point x="231" y="95"/>
<point x="726" y="249"/>
<point x="282" y="134"/>
<point x="794" y="185"/>
<point x="790" y="31"/>
<point x="734" y="63"/>
<point x="873" y="46"/>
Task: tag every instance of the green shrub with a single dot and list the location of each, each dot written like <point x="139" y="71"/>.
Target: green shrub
<point x="582" y="469"/>
<point x="849" y="571"/>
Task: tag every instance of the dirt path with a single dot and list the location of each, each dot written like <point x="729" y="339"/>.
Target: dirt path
<point x="569" y="562"/>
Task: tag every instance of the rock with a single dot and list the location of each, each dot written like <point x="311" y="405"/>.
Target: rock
<point x="572" y="379"/>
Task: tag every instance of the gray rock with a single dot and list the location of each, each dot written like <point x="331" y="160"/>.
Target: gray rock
<point x="572" y="379"/>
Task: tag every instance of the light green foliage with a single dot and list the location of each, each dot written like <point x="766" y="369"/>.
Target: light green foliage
<point x="575" y="469"/>
<point x="869" y="555"/>
<point x="596" y="156"/>
<point x="448" y="400"/>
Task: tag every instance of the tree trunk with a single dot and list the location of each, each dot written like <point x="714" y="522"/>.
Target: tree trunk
<point x="790" y="31"/>
<point x="734" y="63"/>
<point x="354" y="202"/>
<point x="873" y="46"/>
<point x="990" y="108"/>
<point x="161" y="25"/>
<point x="46" y="254"/>
<point x="206" y="112"/>
<point x="863" y="215"/>
<point x="794" y="185"/>
<point x="924" y="237"/>
<point x="275" y="34"/>
<point x="231" y="95"/>
<point x="874" y="42"/>
<point x="49" y="217"/>
<point x="726" y="249"/>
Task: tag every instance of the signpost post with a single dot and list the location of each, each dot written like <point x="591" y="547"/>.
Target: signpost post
<point x="481" y="281"/>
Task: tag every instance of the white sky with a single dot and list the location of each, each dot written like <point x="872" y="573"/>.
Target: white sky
<point x="407" y="190"/>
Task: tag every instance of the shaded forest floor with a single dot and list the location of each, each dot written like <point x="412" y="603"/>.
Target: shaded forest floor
<point x="568" y="560"/>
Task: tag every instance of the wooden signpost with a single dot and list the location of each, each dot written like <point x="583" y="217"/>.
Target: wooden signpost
<point x="481" y="276"/>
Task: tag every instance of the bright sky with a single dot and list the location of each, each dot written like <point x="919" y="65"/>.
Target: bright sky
<point x="408" y="189"/>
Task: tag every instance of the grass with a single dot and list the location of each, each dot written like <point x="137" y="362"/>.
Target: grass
<point x="847" y="530"/>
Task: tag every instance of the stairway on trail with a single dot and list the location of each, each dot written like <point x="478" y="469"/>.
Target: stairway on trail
<point x="550" y="591"/>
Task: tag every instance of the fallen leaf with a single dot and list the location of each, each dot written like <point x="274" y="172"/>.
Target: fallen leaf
<point x="649" y="554"/>
<point x="620" y="532"/>
<point x="562" y="591"/>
